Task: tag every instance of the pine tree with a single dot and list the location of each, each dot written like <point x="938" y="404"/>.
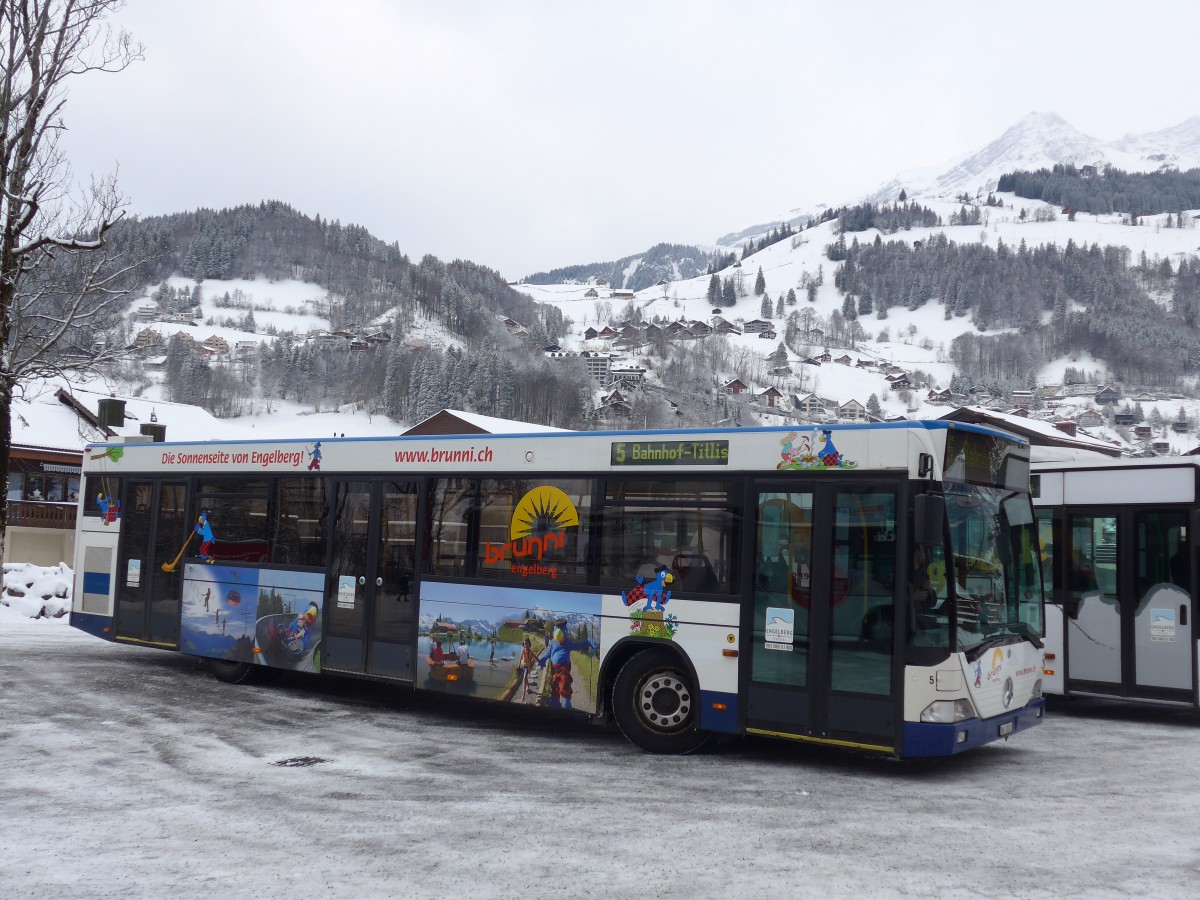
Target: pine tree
<point x="729" y="293"/>
<point x="791" y="297"/>
<point x="765" y="310"/>
<point x="873" y="408"/>
<point x="760" y="283"/>
<point x="714" y="290"/>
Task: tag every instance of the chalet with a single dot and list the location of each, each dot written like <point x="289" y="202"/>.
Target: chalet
<point x="824" y="357"/>
<point x="724" y="327"/>
<point x="510" y="324"/>
<point x="591" y="334"/>
<point x="767" y="334"/>
<point x="781" y="371"/>
<point x="772" y="396"/>
<point x="1106" y="395"/>
<point x="615" y="409"/>
<point x="1161" y="447"/>
<point x="623" y="295"/>
<point x="217" y="344"/>
<point x="147" y="313"/>
<point x="606" y="333"/>
<point x="700" y="329"/>
<point x="590" y="294"/>
<point x="1089" y="418"/>
<point x="1022" y="398"/>
<point x="358" y="345"/>
<point x="1143" y="432"/>
<point x="735" y="386"/>
<point x="614" y="396"/>
<point x="677" y="331"/>
<point x="814" y="336"/>
<point x="1179" y="427"/>
<point x="809" y="405"/>
<point x="810" y="361"/>
<point x="248" y="348"/>
<point x="898" y="382"/>
<point x="844" y="360"/>
<point x="941" y="397"/>
<point x="754" y="326"/>
<point x="652" y="332"/>
<point x="864" y="364"/>
<point x="1124" y="418"/>
<point x="852" y="411"/>
<point x="148" y="339"/>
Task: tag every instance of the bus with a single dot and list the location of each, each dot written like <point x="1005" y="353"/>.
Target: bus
<point x="1120" y="575"/>
<point x="868" y="586"/>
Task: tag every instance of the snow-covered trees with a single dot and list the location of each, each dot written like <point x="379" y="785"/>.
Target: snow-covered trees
<point x="57" y="276"/>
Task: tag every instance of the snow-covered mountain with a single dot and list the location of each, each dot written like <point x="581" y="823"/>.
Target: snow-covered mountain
<point x="1040" y="140"/>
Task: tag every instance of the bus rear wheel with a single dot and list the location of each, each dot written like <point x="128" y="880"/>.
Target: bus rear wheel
<point x="232" y="672"/>
<point x="655" y="704"/>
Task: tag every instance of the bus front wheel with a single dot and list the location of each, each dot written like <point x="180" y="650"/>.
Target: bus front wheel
<point x="232" y="672"/>
<point x="655" y="704"/>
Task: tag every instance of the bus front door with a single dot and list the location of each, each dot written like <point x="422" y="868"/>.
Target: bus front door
<point x="155" y="532"/>
<point x="825" y="569"/>
<point x="370" y="589"/>
<point x="1129" y="606"/>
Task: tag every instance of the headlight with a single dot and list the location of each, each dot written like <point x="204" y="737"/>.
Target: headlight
<point x="948" y="711"/>
<point x="1036" y="694"/>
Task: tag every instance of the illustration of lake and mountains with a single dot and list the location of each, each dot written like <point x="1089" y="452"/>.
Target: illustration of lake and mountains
<point x="563" y="643"/>
<point x="263" y="616"/>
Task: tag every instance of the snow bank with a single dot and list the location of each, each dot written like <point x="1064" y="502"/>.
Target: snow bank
<point x="36" y="591"/>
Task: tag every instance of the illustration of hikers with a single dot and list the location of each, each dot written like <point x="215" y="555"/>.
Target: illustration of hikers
<point x="558" y="654"/>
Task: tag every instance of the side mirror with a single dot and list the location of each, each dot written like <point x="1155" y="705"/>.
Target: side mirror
<point x="929" y="517"/>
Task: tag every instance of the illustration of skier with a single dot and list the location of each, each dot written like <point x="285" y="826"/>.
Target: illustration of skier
<point x="315" y="457"/>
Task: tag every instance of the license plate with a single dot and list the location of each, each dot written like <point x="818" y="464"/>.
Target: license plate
<point x="1006" y="728"/>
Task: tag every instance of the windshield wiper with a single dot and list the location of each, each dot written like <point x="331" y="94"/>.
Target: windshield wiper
<point x="1000" y="639"/>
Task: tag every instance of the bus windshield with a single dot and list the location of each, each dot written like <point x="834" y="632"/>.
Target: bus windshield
<point x="997" y="577"/>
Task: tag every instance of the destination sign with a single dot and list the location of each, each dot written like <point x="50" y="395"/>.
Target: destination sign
<point x="670" y="453"/>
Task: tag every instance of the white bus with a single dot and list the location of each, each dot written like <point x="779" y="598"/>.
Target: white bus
<point x="1119" y="569"/>
<point x="870" y="586"/>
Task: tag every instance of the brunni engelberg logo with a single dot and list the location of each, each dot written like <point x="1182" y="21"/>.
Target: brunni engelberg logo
<point x="538" y="528"/>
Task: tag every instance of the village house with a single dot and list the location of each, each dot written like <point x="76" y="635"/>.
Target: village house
<point x="1089" y="418"/>
<point x="1106" y="395"/>
<point x="734" y="386"/>
<point x="754" y="326"/>
<point x="809" y="405"/>
<point x="597" y="364"/>
<point x="852" y="411"/>
<point x="772" y="396"/>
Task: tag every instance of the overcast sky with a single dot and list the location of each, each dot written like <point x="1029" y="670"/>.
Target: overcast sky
<point x="526" y="136"/>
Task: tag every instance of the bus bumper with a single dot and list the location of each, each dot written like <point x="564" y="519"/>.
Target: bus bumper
<point x="100" y="626"/>
<point x="930" y="739"/>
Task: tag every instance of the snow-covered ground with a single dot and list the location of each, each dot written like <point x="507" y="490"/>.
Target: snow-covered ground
<point x="131" y="772"/>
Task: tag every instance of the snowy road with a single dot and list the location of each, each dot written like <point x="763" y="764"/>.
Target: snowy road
<point x="133" y="773"/>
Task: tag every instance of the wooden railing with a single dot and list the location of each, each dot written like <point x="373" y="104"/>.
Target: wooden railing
<point x="41" y="514"/>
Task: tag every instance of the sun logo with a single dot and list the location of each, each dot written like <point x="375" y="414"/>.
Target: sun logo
<point x="538" y="526"/>
<point x="542" y="511"/>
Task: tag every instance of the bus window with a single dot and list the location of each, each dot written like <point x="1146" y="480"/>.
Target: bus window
<point x="299" y="537"/>
<point x="687" y="527"/>
<point x="237" y="515"/>
<point x="450" y="506"/>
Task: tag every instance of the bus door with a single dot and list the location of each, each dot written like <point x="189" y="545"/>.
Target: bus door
<point x="1129" y="604"/>
<point x="824" y="580"/>
<point x="370" y="593"/>
<point x="154" y="532"/>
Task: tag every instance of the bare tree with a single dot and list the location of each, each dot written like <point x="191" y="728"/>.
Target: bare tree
<point x="58" y="277"/>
